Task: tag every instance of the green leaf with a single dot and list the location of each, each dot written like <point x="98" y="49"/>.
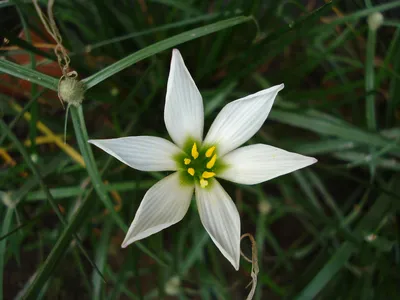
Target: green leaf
<point x="39" y="177"/>
<point x="320" y="123"/>
<point x="73" y="191"/>
<point x="194" y="253"/>
<point x="370" y="80"/>
<point x="15" y="40"/>
<point x="81" y="135"/>
<point x="101" y="259"/>
<point x="159" y="47"/>
<point x="6" y="223"/>
<point x="45" y="270"/>
<point x="343" y="254"/>
<point x="21" y="113"/>
<point x="28" y="74"/>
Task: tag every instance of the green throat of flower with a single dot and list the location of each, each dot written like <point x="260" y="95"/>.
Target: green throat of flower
<point x="198" y="165"/>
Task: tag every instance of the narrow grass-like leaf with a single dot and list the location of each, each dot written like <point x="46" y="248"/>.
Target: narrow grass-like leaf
<point x="27" y="223"/>
<point x="357" y="15"/>
<point x="28" y="74"/>
<point x="122" y="288"/>
<point x="370" y="79"/>
<point x="342" y="255"/>
<point x="73" y="191"/>
<point x="5" y="224"/>
<point x="194" y="253"/>
<point x="324" y="146"/>
<point x="161" y="46"/>
<point x="101" y="258"/>
<point x="59" y="248"/>
<point x="15" y="40"/>
<point x="39" y="177"/>
<point x="33" y="168"/>
<point x="332" y="126"/>
<point x="81" y="135"/>
<point x="23" y="192"/>
<point x="153" y="30"/>
<point x="20" y="114"/>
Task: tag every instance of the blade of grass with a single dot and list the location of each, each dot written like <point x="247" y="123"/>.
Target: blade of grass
<point x="72" y="191"/>
<point x="61" y="245"/>
<point x="152" y="30"/>
<point x="370" y="114"/>
<point x="82" y="137"/>
<point x="39" y="177"/>
<point x="33" y="168"/>
<point x="70" y="151"/>
<point x="27" y="223"/>
<point x="35" y="107"/>
<point x="28" y="74"/>
<point x="324" y="146"/>
<point x="357" y="15"/>
<point x="161" y="46"/>
<point x="45" y="270"/>
<point x="334" y="127"/>
<point x="15" y="40"/>
<point x="342" y="255"/>
<point x="370" y="80"/>
<point x="101" y="258"/>
<point x="20" y="114"/>
<point x="194" y="253"/>
<point x="6" y="223"/>
<point x="31" y="183"/>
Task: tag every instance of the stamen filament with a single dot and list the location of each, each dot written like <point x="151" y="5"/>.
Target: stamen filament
<point x="212" y="161"/>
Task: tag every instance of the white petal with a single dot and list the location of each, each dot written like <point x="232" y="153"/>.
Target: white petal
<point x="183" y="114"/>
<point x="145" y="153"/>
<point x="239" y="120"/>
<point x="221" y="219"/>
<point x="257" y="163"/>
<point x="164" y="204"/>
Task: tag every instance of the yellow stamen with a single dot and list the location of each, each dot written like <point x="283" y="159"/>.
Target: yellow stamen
<point x="191" y="171"/>
<point x="195" y="153"/>
<point x="212" y="161"/>
<point x="210" y="151"/>
<point x="187" y="161"/>
<point x="203" y="183"/>
<point x="208" y="174"/>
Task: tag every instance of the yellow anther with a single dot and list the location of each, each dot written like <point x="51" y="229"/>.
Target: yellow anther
<point x="210" y="151"/>
<point x="187" y="161"/>
<point x="208" y="174"/>
<point x="203" y="183"/>
<point x="212" y="161"/>
<point x="195" y="153"/>
<point x="191" y="171"/>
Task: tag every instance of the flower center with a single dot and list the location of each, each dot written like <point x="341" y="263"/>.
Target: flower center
<point x="201" y="165"/>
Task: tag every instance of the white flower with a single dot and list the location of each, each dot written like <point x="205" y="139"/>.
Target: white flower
<point x="197" y="162"/>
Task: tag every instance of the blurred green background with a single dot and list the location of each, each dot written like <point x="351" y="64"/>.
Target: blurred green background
<point x="331" y="231"/>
